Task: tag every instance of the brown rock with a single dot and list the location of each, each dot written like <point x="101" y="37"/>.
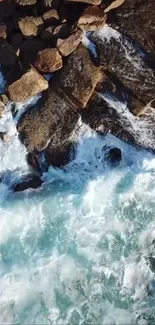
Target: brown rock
<point x="29" y="50"/>
<point x="4" y="99"/>
<point x="48" y="61"/>
<point x="26" y="2"/>
<point x="92" y="19"/>
<point x="51" y="16"/>
<point x="29" y="85"/>
<point x="91" y="2"/>
<point x="7" y="54"/>
<point x="79" y="76"/>
<point x="30" y="26"/>
<point x="1" y="108"/>
<point x="3" y="31"/>
<point x="68" y="45"/>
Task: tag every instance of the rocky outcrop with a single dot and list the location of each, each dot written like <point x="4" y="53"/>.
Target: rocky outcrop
<point x="48" y="61"/>
<point x="122" y="59"/>
<point x="136" y="18"/>
<point x="29" y="85"/>
<point x="79" y="76"/>
<point x="29" y="182"/>
<point x="68" y="45"/>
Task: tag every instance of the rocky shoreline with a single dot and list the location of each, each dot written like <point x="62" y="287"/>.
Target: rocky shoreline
<point x="97" y="53"/>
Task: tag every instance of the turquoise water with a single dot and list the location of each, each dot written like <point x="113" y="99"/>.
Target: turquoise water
<point x="76" y="250"/>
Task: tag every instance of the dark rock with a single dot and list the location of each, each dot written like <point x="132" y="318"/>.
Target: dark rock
<point x="114" y="156"/>
<point x="31" y="181"/>
<point x="7" y="8"/>
<point x="68" y="45"/>
<point x="48" y="61"/>
<point x="79" y="76"/>
<point x="120" y="57"/>
<point x="92" y="18"/>
<point x="51" y="17"/>
<point x="59" y="156"/>
<point x="7" y="54"/>
<point x="16" y="39"/>
<point x="29" y="50"/>
<point x="3" y="31"/>
<point x="51" y="120"/>
<point x="136" y="18"/>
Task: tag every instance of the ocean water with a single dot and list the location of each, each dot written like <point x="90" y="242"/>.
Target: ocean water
<point x="76" y="250"/>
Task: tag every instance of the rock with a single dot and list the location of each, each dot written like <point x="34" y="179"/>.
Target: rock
<point x="51" y="17"/>
<point x="29" y="50"/>
<point x="68" y="45"/>
<point x="31" y="181"/>
<point x="136" y="19"/>
<point x="78" y="67"/>
<point x="48" y="61"/>
<point x="92" y="19"/>
<point x="52" y="120"/>
<point x="7" y="54"/>
<point x="59" y="156"/>
<point x="30" y="26"/>
<point x="2" y="108"/>
<point x="112" y="4"/>
<point x="4" y="137"/>
<point x="52" y="33"/>
<point x="91" y="2"/>
<point x="7" y="8"/>
<point x="122" y="59"/>
<point x="29" y="85"/>
<point x="16" y="39"/>
<point x="47" y="35"/>
<point x="114" y="156"/>
<point x="26" y="2"/>
<point x="3" y="31"/>
<point x="4" y="99"/>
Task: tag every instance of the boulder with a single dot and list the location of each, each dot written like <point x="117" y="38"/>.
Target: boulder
<point x="7" y="54"/>
<point x="92" y="18"/>
<point x="29" y="85"/>
<point x="79" y="76"/>
<point x="51" y="17"/>
<point x="121" y="58"/>
<point x="48" y="61"/>
<point x="30" y="26"/>
<point x="68" y="45"/>
<point x="110" y="5"/>
<point x="91" y="2"/>
<point x="31" y="181"/>
<point x="114" y="156"/>
<point x="136" y="19"/>
<point x="52" y="120"/>
<point x="3" y="31"/>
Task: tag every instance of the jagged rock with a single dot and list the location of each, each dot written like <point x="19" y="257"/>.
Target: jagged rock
<point x="26" y="2"/>
<point x="91" y="2"/>
<point x="52" y="33"/>
<point x="51" y="120"/>
<point x="51" y="17"/>
<point x="29" y="50"/>
<point x="136" y="18"/>
<point x="29" y="85"/>
<point x="31" y="181"/>
<point x="112" y="4"/>
<point x="3" y="31"/>
<point x="48" y="61"/>
<point x="30" y="26"/>
<point x="59" y="156"/>
<point x="92" y="18"/>
<point x="114" y="156"/>
<point x="7" y="54"/>
<point x="121" y="58"/>
<point x="68" y="45"/>
<point x="79" y="76"/>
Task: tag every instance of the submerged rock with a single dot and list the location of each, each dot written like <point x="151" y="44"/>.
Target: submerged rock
<point x="31" y="181"/>
<point x="114" y="156"/>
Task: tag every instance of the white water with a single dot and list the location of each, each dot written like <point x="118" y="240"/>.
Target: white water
<point x="75" y="251"/>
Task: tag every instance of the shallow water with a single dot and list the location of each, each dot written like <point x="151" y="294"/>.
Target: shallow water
<point x="76" y="250"/>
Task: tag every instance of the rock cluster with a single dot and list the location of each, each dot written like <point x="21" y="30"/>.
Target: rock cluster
<point x="39" y="37"/>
